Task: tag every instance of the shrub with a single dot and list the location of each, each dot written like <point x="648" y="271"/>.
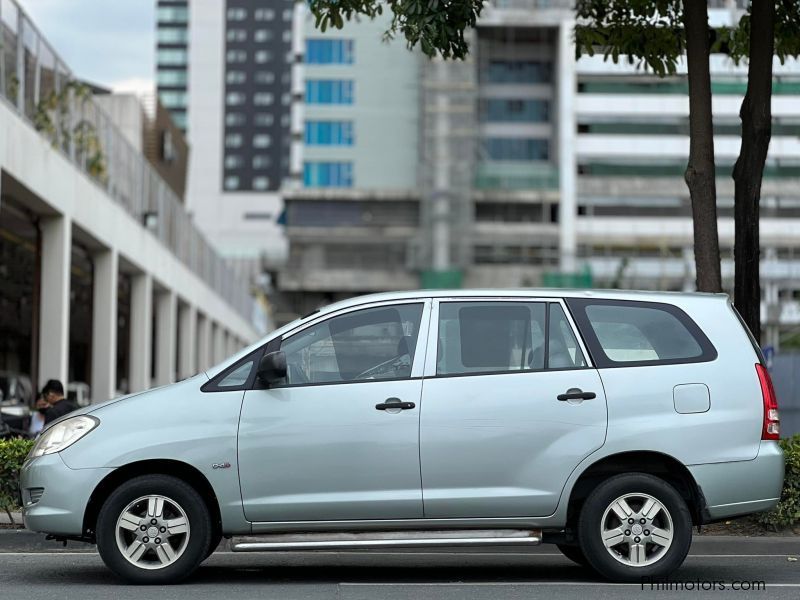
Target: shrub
<point x="12" y="455"/>
<point x="787" y="513"/>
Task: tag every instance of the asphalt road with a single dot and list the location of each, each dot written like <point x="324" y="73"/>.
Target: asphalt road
<point x="441" y="575"/>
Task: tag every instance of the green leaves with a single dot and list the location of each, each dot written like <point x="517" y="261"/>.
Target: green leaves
<point x="12" y="455"/>
<point x="652" y="32"/>
<point x="647" y="32"/>
<point x="437" y="26"/>
<point x="787" y="513"/>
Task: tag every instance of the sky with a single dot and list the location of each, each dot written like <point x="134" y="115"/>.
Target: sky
<point x="107" y="42"/>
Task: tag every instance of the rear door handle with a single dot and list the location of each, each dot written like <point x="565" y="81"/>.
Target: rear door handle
<point x="576" y="394"/>
<point x="395" y="403"/>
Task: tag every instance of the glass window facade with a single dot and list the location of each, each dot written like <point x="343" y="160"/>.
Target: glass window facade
<point x="328" y="174"/>
<point x="171" y="78"/>
<point x="329" y="52"/>
<point x="172" y="35"/>
<point x="501" y="148"/>
<point x="506" y="110"/>
<point x="171" y="56"/>
<point x="172" y="99"/>
<point x="329" y="133"/>
<point x="172" y="14"/>
<point x="519" y="71"/>
<point x="329" y="91"/>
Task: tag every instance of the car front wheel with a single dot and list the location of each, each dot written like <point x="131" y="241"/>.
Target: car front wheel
<point x="635" y="526"/>
<point x="153" y="529"/>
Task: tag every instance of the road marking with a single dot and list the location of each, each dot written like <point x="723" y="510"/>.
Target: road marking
<point x="530" y="584"/>
<point x="411" y="554"/>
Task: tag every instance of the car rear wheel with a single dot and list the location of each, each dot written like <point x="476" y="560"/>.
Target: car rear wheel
<point x="634" y="526"/>
<point x="153" y="529"/>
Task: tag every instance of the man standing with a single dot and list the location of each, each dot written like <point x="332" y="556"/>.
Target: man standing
<point x="53" y="395"/>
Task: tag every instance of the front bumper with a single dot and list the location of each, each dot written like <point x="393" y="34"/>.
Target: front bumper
<point x="64" y="495"/>
<point x="742" y="487"/>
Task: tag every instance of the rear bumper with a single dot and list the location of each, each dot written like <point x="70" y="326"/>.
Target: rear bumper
<point x="64" y="496"/>
<point x="739" y="488"/>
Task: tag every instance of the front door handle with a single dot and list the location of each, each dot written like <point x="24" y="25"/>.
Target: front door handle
<point x="576" y="394"/>
<point x="391" y="403"/>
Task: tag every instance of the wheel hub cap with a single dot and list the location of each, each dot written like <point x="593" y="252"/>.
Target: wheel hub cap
<point x="152" y="532"/>
<point x="637" y="529"/>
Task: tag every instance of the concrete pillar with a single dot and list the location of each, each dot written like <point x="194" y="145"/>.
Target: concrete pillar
<point x="187" y="360"/>
<point x="141" y="332"/>
<point x="54" y="299"/>
<point x="104" y="326"/>
<point x="203" y="342"/>
<point x="166" y="336"/>
<point x="567" y="163"/>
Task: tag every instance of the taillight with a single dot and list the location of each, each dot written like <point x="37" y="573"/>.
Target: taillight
<point x="771" y="429"/>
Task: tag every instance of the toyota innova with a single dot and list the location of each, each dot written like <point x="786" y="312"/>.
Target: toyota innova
<point x="607" y="423"/>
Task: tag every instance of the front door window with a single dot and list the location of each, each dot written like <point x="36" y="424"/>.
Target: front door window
<point x="365" y="345"/>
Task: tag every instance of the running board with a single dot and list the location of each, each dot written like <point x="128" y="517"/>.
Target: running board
<point x="386" y="539"/>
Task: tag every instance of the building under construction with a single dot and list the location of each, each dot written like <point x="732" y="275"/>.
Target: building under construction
<point x="520" y="166"/>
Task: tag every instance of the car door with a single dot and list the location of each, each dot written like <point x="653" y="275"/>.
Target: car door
<point x="510" y="407"/>
<point x="328" y="444"/>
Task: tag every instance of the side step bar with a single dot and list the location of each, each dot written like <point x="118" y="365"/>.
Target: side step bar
<point x="386" y="539"/>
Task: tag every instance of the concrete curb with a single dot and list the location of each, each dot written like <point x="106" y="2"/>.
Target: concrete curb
<point x="22" y="540"/>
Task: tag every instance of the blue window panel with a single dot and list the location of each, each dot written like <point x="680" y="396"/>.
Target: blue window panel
<point x="328" y="174"/>
<point x="516" y="149"/>
<point x="505" y="110"/>
<point x="519" y="71"/>
<point x="329" y="133"/>
<point x="329" y="52"/>
<point x="329" y="91"/>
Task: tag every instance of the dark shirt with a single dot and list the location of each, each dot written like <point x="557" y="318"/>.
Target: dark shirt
<point x="59" y="409"/>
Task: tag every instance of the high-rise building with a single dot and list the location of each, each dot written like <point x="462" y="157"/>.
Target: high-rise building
<point x="172" y="57"/>
<point x="224" y="71"/>
<point x="533" y="168"/>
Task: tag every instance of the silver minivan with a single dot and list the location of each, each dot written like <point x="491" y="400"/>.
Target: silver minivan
<point x="607" y="423"/>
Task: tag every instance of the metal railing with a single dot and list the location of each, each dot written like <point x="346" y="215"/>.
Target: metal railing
<point x="39" y="86"/>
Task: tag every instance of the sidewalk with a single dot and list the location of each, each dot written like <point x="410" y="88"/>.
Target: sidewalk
<point x="4" y="518"/>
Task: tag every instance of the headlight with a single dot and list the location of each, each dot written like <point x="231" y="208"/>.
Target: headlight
<point x="63" y="434"/>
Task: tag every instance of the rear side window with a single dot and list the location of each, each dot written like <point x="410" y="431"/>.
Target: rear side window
<point x="629" y="333"/>
<point x="504" y="337"/>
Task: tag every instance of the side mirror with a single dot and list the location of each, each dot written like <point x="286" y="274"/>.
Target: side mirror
<point x="272" y="367"/>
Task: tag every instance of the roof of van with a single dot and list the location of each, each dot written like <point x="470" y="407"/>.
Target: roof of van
<point x="640" y="295"/>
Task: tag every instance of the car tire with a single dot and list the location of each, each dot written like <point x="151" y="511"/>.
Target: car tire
<point x="634" y="527"/>
<point x="216" y="538"/>
<point x="153" y="529"/>
<point x="574" y="553"/>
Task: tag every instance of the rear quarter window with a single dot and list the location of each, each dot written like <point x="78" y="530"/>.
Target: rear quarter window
<point x="630" y="333"/>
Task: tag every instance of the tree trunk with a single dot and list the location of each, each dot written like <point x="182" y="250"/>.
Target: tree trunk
<point x="700" y="174"/>
<point x="756" y="115"/>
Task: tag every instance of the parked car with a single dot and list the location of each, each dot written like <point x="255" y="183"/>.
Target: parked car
<point x="608" y="423"/>
<point x="16" y="398"/>
<point x="15" y="388"/>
